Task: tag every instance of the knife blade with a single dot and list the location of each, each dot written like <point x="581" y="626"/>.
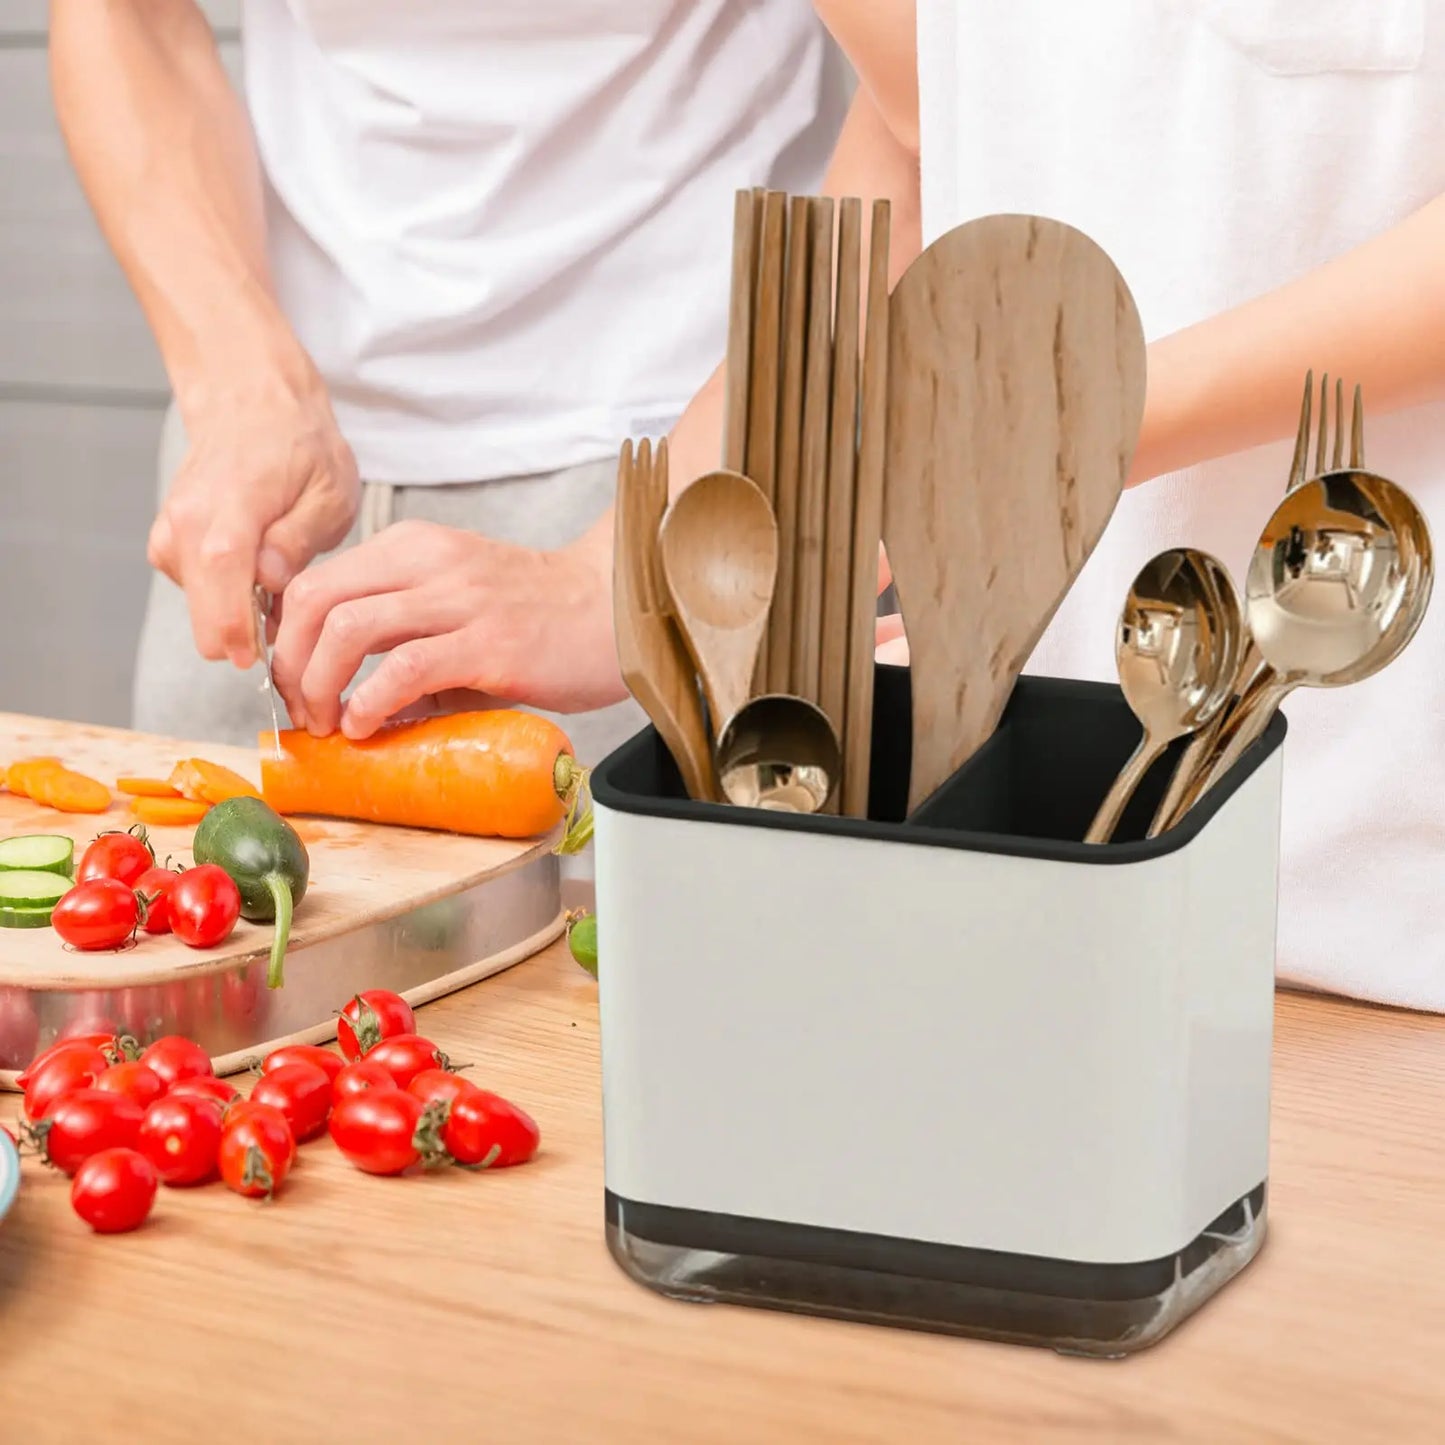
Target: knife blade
<point x="261" y="613"/>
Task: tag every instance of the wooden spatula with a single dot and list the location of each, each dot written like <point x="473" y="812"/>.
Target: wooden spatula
<point x="655" y="664"/>
<point x="1015" y="392"/>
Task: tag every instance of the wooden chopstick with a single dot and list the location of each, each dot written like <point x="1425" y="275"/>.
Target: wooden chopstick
<point x="760" y="459"/>
<point x="746" y="219"/>
<point x="790" y="441"/>
<point x="857" y="727"/>
<point x="813" y="481"/>
<point x="842" y="459"/>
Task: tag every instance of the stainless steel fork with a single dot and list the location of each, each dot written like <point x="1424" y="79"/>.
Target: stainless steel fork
<point x="1198" y="759"/>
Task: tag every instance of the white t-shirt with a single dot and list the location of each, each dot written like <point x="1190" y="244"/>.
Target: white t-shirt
<point x="503" y="228"/>
<point x="1217" y="149"/>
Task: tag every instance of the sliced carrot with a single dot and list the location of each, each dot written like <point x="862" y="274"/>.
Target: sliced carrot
<point x="69" y="792"/>
<point x="146" y="788"/>
<point x="19" y="775"/>
<point x="498" y="773"/>
<point x="205" y="782"/>
<point x="169" y="812"/>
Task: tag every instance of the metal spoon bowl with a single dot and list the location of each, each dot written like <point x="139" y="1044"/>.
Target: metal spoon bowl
<point x="778" y="752"/>
<point x="1177" y="648"/>
<point x="1338" y="585"/>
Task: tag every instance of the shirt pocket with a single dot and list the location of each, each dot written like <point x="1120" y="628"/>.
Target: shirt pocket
<point x="1318" y="37"/>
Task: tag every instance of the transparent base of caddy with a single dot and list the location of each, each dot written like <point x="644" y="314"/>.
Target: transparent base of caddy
<point x="1107" y="1311"/>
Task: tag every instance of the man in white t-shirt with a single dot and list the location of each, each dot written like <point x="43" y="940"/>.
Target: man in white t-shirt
<point x="442" y="260"/>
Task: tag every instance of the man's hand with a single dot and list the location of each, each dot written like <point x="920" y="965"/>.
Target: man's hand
<point x="264" y="488"/>
<point x="453" y="613"/>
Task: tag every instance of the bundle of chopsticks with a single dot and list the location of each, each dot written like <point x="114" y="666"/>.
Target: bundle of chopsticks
<point x="805" y="420"/>
<point x="805" y="417"/>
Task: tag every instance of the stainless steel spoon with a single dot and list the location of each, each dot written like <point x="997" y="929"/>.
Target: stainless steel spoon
<point x="1338" y="585"/>
<point x="1177" y="652"/>
<point x="1187" y="784"/>
<point x="779" y="752"/>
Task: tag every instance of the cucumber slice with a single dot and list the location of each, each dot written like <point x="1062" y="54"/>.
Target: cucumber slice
<point x="30" y="888"/>
<point x="42" y="852"/>
<point x="24" y="917"/>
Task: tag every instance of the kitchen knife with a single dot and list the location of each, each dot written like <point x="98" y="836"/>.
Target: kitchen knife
<point x="261" y="613"/>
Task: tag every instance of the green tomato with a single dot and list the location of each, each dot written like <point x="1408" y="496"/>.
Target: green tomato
<point x="582" y="940"/>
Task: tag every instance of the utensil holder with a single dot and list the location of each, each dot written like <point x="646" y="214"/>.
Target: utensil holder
<point x="959" y="1072"/>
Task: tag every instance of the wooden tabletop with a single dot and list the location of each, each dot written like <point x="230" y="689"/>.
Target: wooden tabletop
<point x="467" y="1308"/>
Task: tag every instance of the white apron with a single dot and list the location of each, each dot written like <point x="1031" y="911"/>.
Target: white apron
<point x="1218" y="149"/>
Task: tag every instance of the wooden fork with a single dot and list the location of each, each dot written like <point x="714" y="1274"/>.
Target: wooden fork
<point x="654" y="661"/>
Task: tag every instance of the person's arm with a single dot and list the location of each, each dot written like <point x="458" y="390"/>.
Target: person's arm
<point x="1375" y="315"/>
<point x="165" y="154"/>
<point x="459" y="615"/>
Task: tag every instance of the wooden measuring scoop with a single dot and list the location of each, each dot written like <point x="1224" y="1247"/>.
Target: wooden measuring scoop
<point x="1015" y="392"/>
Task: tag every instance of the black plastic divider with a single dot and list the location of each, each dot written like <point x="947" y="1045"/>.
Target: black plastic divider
<point x="1030" y="791"/>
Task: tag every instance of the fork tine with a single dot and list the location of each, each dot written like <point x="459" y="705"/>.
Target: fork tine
<point x="1323" y="439"/>
<point x="1357" y="432"/>
<point x="1302" y="440"/>
<point x="1339" y="458"/>
<point x="656" y="507"/>
<point x="642" y="487"/>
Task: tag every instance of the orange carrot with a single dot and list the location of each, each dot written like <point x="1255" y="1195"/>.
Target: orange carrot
<point x="69" y="792"/>
<point x="146" y="788"/>
<point x="205" y="782"/>
<point x="20" y="772"/>
<point x="499" y="774"/>
<point x="169" y="812"/>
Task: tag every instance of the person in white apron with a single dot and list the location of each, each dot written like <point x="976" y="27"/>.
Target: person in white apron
<point x="431" y="266"/>
<point x="1268" y="177"/>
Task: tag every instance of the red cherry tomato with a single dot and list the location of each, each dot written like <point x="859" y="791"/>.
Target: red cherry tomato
<point x="370" y="1017"/>
<point x="97" y="914"/>
<point x="382" y="1131"/>
<point x="62" y="1074"/>
<point x="83" y="1044"/>
<point x="330" y="1064"/>
<point x="485" y="1131"/>
<point x="438" y="1086"/>
<point x="84" y="1122"/>
<point x="360" y="1078"/>
<point x="175" y="1058"/>
<point x="132" y="1080"/>
<point x="113" y="1191"/>
<point x="204" y="1086"/>
<point x="404" y="1056"/>
<point x="154" y="887"/>
<point x="204" y="905"/>
<point x="19" y="1028"/>
<point x="302" y="1092"/>
<point x="257" y="1149"/>
<point x="182" y="1137"/>
<point x="121" y="856"/>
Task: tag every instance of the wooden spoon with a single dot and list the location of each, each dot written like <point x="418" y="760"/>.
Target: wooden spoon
<point x="719" y="547"/>
<point x="1015" y="391"/>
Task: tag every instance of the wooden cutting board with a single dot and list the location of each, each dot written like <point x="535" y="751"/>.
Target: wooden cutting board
<point x="420" y="912"/>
